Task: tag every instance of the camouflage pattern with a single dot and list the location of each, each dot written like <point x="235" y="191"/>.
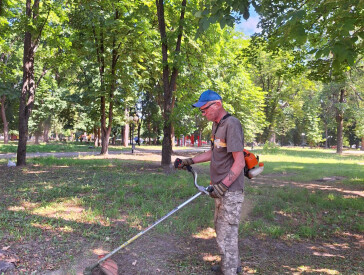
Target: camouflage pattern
<point x="227" y="217"/>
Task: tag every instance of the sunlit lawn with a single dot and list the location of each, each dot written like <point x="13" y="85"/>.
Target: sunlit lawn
<point x="55" y="146"/>
<point x="111" y="199"/>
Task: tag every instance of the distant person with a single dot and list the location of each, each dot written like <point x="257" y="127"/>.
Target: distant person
<point x="226" y="171"/>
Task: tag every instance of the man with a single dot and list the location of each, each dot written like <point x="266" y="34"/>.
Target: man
<point x="226" y="165"/>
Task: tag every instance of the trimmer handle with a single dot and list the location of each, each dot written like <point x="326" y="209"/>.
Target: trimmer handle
<point x="200" y="188"/>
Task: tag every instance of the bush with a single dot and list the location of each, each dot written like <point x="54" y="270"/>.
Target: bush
<point x="270" y="147"/>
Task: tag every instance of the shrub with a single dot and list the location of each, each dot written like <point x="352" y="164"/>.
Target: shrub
<point x="270" y="147"/>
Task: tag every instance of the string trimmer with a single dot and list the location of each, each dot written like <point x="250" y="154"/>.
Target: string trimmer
<point x="111" y="263"/>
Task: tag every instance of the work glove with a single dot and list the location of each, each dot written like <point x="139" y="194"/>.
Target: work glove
<point x="182" y="163"/>
<point x="219" y="190"/>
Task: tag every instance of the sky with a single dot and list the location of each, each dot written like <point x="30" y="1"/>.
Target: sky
<point x="249" y="27"/>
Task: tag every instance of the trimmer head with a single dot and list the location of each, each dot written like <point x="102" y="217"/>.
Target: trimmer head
<point x="107" y="267"/>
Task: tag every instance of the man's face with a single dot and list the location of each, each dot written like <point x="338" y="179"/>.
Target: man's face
<point x="208" y="110"/>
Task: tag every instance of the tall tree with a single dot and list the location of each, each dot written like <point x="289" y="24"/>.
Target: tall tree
<point x="170" y="73"/>
<point x="9" y="60"/>
<point x="31" y="42"/>
<point x="42" y="21"/>
<point x="109" y="34"/>
<point x="278" y="74"/>
<point x="331" y="30"/>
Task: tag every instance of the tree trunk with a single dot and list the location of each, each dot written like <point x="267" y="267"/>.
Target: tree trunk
<point x="126" y="129"/>
<point x="340" y="124"/>
<point x="46" y="130"/>
<point x="105" y="131"/>
<point x="326" y="144"/>
<point x="139" y="128"/>
<point x="28" y="88"/>
<point x="169" y="82"/>
<point x="27" y="92"/>
<point x="36" y="139"/>
<point x="3" y="117"/>
<point x="95" y="136"/>
<point x="362" y="144"/>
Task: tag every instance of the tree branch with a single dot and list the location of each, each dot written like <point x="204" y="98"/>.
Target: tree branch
<point x="178" y="46"/>
<point x="41" y="76"/>
<point x="35" y="45"/>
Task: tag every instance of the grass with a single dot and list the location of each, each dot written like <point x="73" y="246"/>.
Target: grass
<point x="311" y="164"/>
<point x="55" y="147"/>
<point x="58" y="147"/>
<point x="64" y="203"/>
<point x="104" y="191"/>
<point x="305" y="210"/>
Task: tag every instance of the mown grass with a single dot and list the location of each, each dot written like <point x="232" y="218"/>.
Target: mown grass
<point x="55" y="147"/>
<point x="307" y="211"/>
<point x="106" y="191"/>
<point x="305" y="165"/>
<point x="62" y="200"/>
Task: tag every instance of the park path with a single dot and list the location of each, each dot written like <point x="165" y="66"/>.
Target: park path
<point x="12" y="156"/>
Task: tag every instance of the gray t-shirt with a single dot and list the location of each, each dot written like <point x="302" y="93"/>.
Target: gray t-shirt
<point x="228" y="138"/>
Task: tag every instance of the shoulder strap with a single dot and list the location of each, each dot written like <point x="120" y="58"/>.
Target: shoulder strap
<point x="224" y="117"/>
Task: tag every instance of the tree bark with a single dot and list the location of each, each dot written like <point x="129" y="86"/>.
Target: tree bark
<point x="27" y="92"/>
<point x="47" y="124"/>
<point x="3" y="117"/>
<point x="106" y="130"/>
<point x="340" y="123"/>
<point x="126" y="129"/>
<point x="95" y="137"/>
<point x="169" y="82"/>
<point x="36" y="139"/>
<point x="27" y="96"/>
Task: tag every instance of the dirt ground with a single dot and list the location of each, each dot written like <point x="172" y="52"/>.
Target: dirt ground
<point x="169" y="254"/>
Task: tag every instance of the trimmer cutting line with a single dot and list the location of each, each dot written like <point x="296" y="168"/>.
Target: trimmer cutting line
<point x="109" y="266"/>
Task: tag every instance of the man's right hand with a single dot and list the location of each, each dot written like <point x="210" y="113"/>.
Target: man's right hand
<point x="182" y="163"/>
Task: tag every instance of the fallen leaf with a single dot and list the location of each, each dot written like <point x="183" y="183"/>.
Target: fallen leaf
<point x="134" y="263"/>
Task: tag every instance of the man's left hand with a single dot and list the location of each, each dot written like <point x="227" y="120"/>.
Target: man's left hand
<point x="219" y="190"/>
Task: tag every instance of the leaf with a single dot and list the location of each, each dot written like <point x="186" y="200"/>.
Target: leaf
<point x="198" y="14"/>
<point x="246" y="14"/>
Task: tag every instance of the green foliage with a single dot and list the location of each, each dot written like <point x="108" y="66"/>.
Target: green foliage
<point x="332" y="29"/>
<point x="282" y="79"/>
<point x="219" y="58"/>
<point x="270" y="148"/>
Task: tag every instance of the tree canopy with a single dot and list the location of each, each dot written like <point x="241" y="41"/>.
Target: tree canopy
<point x="88" y="66"/>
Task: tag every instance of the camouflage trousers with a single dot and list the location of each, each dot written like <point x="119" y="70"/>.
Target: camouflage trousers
<point x="227" y="218"/>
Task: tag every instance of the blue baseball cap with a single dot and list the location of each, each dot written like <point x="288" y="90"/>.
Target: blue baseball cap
<point x="205" y="97"/>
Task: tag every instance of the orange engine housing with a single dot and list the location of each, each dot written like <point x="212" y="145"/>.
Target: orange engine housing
<point x="250" y="159"/>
